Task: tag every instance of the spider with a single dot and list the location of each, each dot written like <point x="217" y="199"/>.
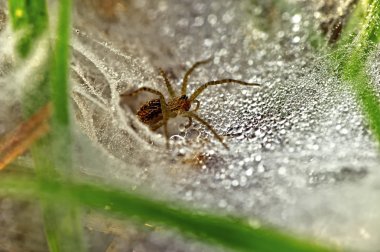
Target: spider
<point x="156" y="112"/>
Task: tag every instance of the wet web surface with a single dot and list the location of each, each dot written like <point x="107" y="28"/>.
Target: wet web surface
<point x="300" y="155"/>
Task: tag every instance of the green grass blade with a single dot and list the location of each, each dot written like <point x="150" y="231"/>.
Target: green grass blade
<point x="369" y="34"/>
<point x="30" y="18"/>
<point x="351" y="56"/>
<point x="62" y="221"/>
<point x="59" y="78"/>
<point x="62" y="227"/>
<point x="59" y="87"/>
<point x="230" y="232"/>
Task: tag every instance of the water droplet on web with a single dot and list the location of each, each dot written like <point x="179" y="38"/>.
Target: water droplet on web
<point x="198" y="21"/>
<point x="249" y="172"/>
<point x="260" y="168"/>
<point x="296" y="18"/>
<point x="222" y="204"/>
<point x="212" y="19"/>
<point x="282" y="171"/>
<point x="177" y="140"/>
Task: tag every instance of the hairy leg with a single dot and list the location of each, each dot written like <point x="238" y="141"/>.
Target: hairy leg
<point x="199" y="90"/>
<point x="187" y="74"/>
<point x="189" y="123"/>
<point x="197" y="106"/>
<point x="199" y="119"/>
<point x="167" y="83"/>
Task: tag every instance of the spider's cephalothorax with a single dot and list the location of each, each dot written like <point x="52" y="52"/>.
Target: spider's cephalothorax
<point x="156" y="112"/>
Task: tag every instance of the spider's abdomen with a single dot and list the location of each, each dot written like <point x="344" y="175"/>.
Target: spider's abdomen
<point x="150" y="113"/>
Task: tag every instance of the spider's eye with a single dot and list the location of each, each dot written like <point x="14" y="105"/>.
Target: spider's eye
<point x="183" y="97"/>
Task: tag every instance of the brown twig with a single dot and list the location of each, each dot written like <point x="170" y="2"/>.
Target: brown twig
<point x="18" y="141"/>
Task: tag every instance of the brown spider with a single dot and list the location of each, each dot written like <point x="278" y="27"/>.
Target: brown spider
<point x="156" y="112"/>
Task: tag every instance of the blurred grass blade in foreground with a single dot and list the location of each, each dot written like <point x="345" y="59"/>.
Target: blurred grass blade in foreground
<point x="231" y="232"/>
<point x="29" y="18"/>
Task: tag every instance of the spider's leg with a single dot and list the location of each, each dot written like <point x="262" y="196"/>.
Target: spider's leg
<point x="159" y="124"/>
<point x="199" y="119"/>
<point x="163" y="107"/>
<point x="197" y="106"/>
<point x="189" y="123"/>
<point x="199" y="90"/>
<point x="142" y="89"/>
<point x="167" y="83"/>
<point x="187" y="74"/>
